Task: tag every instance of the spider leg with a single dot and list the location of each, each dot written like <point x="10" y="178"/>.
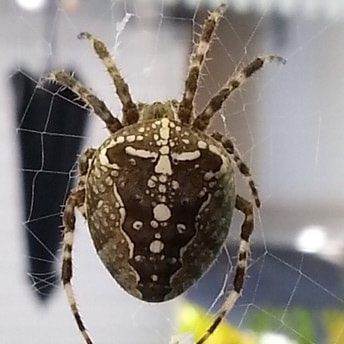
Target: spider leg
<point x="202" y="120"/>
<point x="75" y="200"/>
<point x="83" y="166"/>
<point x="130" y="110"/>
<point x="94" y="103"/>
<point x="246" y="208"/>
<point x="243" y="168"/>
<point x="196" y="62"/>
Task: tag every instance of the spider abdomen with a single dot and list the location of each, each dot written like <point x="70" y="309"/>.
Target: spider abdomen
<point x="159" y="198"/>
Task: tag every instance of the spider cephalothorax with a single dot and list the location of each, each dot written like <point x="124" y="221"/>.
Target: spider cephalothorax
<point x="159" y="193"/>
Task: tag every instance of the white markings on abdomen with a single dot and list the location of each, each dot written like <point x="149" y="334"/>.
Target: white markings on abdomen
<point x="161" y="212"/>
<point x="141" y="153"/>
<point x="122" y="215"/>
<point x="186" y="156"/>
<point x="163" y="166"/>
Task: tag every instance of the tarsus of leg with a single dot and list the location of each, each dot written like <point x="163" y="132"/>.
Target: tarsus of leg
<point x="130" y="111"/>
<point x="197" y="58"/>
<point x="202" y="120"/>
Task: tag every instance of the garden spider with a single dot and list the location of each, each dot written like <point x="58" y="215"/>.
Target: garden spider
<point x="159" y="193"/>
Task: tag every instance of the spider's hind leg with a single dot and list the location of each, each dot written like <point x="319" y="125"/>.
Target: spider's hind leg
<point x="76" y="199"/>
<point x="130" y="110"/>
<point x="246" y="208"/>
<point x="86" y="95"/>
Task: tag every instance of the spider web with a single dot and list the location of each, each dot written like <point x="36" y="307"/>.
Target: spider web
<point x="287" y="123"/>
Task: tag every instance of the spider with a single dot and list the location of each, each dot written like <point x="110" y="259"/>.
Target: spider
<point x="158" y="194"/>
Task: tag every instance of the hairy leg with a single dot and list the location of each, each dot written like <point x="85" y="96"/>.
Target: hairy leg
<point x="91" y="101"/>
<point x="243" y="168"/>
<point x="202" y="120"/>
<point x="76" y="199"/>
<point x="130" y="111"/>
<point x="246" y="208"/>
<point x="197" y="58"/>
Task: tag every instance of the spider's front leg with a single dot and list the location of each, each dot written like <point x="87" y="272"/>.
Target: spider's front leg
<point x="130" y="110"/>
<point x="86" y="95"/>
<point x="246" y="208"/>
<point x="76" y="199"/>
<point x="185" y="111"/>
<point x="202" y="120"/>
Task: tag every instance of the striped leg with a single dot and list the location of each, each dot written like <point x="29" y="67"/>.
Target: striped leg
<point x="243" y="168"/>
<point x="246" y="208"/>
<point x="95" y="104"/>
<point x="196" y="62"/>
<point x="130" y="111"/>
<point x="75" y="200"/>
<point x="202" y="120"/>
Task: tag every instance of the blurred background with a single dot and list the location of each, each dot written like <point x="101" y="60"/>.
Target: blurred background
<point x="287" y="122"/>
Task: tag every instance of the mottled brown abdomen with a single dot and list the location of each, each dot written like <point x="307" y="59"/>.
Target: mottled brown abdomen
<point x="160" y="200"/>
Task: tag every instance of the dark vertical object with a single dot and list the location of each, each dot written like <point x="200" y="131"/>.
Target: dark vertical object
<point x="45" y="122"/>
